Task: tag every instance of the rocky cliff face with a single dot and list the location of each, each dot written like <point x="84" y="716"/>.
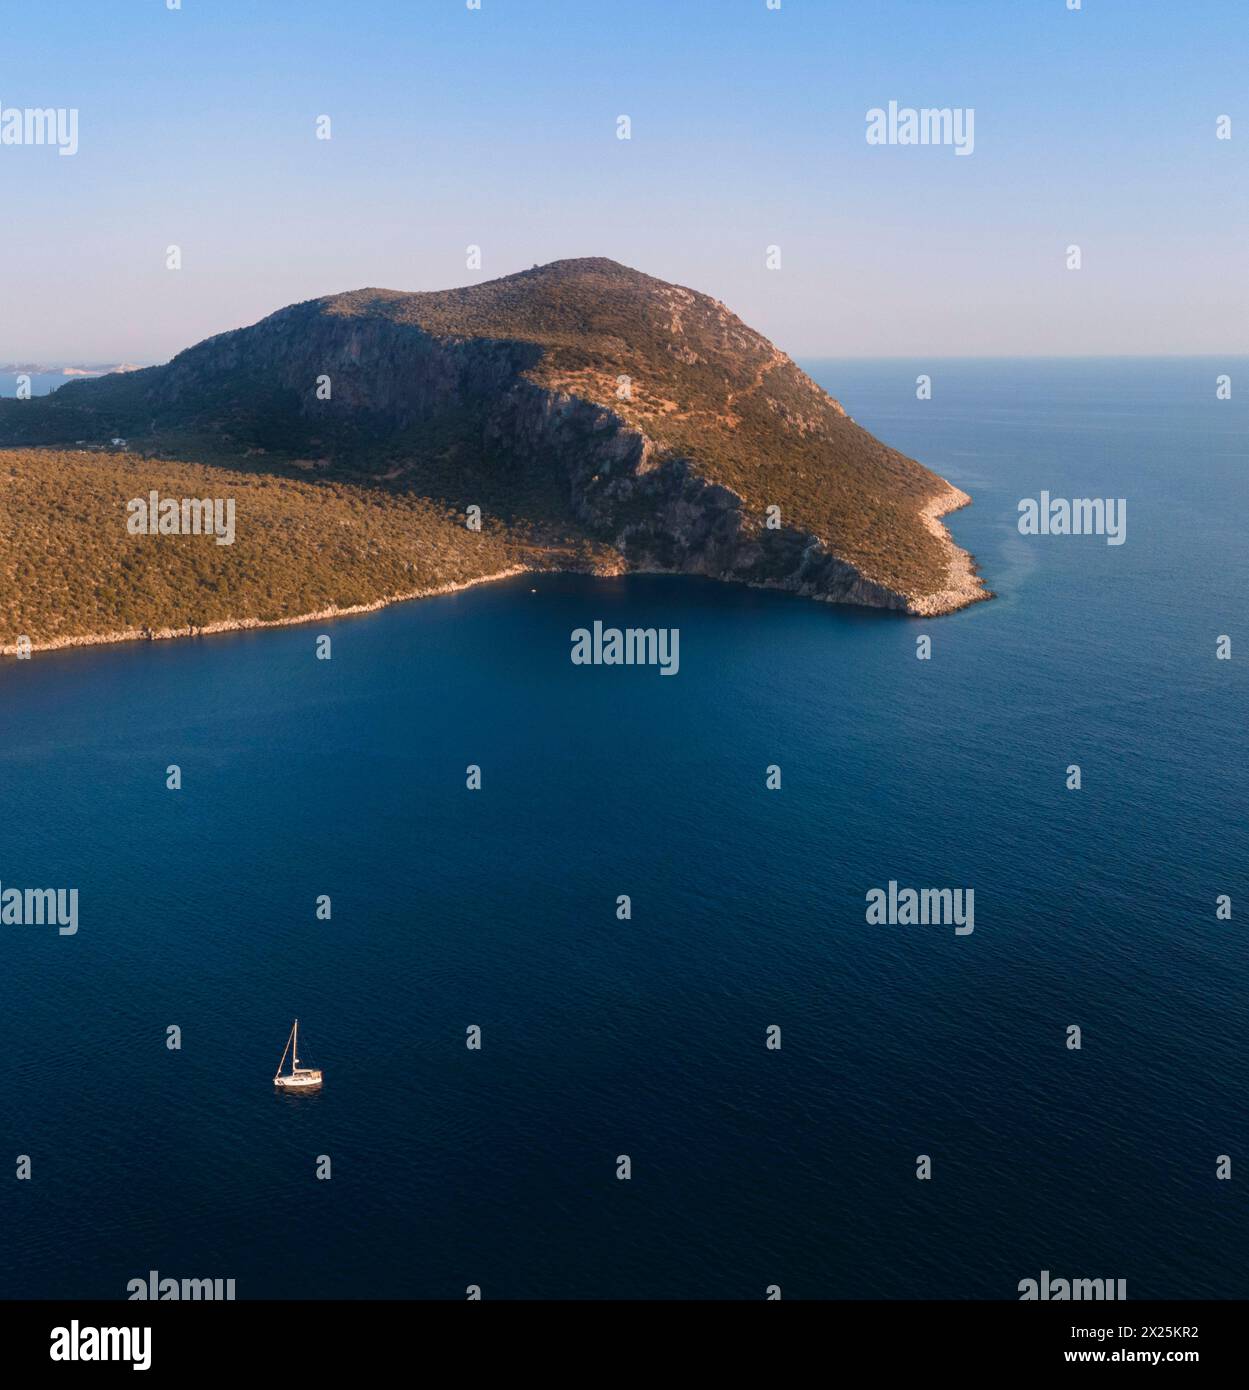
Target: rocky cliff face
<point x="641" y="414"/>
<point x="660" y="513"/>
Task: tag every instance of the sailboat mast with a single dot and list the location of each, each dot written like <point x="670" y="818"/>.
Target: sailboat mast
<point x="295" y="1051"/>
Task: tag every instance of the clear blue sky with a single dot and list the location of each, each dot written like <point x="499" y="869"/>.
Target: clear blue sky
<point x="497" y="128"/>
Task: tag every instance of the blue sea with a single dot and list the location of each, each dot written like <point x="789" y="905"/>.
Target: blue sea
<point x="497" y="908"/>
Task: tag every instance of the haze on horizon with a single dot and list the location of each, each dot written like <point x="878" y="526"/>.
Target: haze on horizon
<point x="497" y="128"/>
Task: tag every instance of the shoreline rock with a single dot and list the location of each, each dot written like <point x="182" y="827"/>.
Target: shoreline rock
<point x="965" y="587"/>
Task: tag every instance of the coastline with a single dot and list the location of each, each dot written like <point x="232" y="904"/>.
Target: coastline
<point x="963" y="583"/>
<point x="963" y="588"/>
<point x="100" y="639"/>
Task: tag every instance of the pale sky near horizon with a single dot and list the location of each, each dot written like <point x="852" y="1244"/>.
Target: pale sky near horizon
<point x="498" y="128"/>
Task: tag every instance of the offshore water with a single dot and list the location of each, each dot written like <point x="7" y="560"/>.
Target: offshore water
<point x="646" y="1037"/>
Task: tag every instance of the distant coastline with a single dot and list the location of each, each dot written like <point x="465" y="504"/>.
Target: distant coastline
<point x="70" y="370"/>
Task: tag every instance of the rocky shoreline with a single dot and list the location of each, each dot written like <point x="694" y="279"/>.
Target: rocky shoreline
<point x="963" y="588"/>
<point x="134" y="634"/>
<point x="963" y="584"/>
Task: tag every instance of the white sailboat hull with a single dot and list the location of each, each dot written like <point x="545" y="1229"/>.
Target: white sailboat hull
<point x="298" y="1081"/>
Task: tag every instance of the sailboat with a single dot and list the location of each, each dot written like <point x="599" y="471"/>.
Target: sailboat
<point x="298" y="1078"/>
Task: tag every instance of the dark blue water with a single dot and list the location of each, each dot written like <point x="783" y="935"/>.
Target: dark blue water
<point x="602" y="1037"/>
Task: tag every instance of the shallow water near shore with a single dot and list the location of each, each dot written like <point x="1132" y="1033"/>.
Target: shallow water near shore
<point x="497" y="908"/>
